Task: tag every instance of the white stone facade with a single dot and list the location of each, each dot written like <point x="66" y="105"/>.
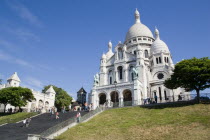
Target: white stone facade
<point x="43" y="101"/>
<point x="136" y="70"/>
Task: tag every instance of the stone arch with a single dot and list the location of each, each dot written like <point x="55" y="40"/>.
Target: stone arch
<point x="40" y="104"/>
<point x="46" y="104"/>
<point x="33" y="104"/>
<point x="127" y="95"/>
<point x="114" y="96"/>
<point x="102" y="98"/>
<point x="157" y="72"/>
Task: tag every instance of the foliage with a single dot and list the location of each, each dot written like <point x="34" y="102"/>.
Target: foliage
<point x="5" y="97"/>
<point x="135" y="123"/>
<point x="16" y="96"/>
<point x="62" y="98"/>
<point x="191" y="74"/>
<point x="16" y="117"/>
<point x="21" y="96"/>
<point x="1" y="81"/>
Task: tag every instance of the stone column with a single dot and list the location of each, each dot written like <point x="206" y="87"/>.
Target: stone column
<point x="136" y="97"/>
<point x="94" y="98"/>
<point x="121" y="102"/>
<point x="126" y="75"/>
<point x="108" y="100"/>
<point x="116" y="76"/>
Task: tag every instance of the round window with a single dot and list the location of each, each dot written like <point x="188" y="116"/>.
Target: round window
<point x="160" y="76"/>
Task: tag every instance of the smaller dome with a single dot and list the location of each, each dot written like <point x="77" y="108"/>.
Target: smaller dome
<point x="103" y="56"/>
<point x="158" y="45"/>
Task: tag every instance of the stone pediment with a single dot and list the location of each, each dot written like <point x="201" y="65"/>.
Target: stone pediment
<point x="130" y="57"/>
<point x="111" y="60"/>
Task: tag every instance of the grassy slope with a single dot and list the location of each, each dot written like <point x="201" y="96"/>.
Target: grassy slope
<point x="181" y="123"/>
<point x="15" y="117"/>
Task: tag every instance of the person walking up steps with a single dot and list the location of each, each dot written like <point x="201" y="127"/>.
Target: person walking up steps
<point x="28" y="121"/>
<point x="57" y="115"/>
<point x="78" y="117"/>
<point x="24" y="123"/>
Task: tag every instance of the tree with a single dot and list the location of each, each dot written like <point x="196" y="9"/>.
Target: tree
<point x="191" y="74"/>
<point x="1" y="81"/>
<point x="5" y="97"/>
<point x="172" y="84"/>
<point x="21" y="96"/>
<point x="16" y="96"/>
<point x="62" y="98"/>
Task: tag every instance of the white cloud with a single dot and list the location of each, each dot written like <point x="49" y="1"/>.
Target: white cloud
<point x="8" y="45"/>
<point x="33" y="82"/>
<point x="24" y="13"/>
<point x="23" y="63"/>
<point x="23" y="34"/>
<point x="11" y="59"/>
<point x="5" y="57"/>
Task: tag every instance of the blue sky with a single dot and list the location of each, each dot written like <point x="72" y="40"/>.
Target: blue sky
<point x="61" y="42"/>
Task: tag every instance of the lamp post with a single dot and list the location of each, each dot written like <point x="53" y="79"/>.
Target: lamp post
<point x="115" y="83"/>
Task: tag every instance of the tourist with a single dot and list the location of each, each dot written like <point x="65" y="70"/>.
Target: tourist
<point x="28" y="120"/>
<point x="86" y="107"/>
<point x="155" y="98"/>
<point x="179" y="98"/>
<point x="57" y="115"/>
<point x="145" y="101"/>
<point x="52" y="111"/>
<point x="78" y="117"/>
<point x="24" y="122"/>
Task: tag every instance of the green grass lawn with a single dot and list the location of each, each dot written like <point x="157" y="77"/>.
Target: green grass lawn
<point x="15" y="117"/>
<point x="135" y="123"/>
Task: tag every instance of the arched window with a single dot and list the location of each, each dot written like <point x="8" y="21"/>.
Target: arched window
<point x="110" y="80"/>
<point x="120" y="53"/>
<point x="131" y="74"/>
<point x="110" y="77"/>
<point x="146" y="54"/>
<point x="157" y="60"/>
<point x="120" y="72"/>
<point x="160" y="59"/>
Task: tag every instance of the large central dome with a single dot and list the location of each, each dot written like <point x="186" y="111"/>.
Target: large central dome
<point x="138" y="29"/>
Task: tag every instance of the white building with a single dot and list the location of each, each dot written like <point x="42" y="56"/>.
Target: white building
<point x="42" y="100"/>
<point x="136" y="70"/>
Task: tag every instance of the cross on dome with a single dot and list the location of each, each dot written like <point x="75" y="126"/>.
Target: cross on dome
<point x="137" y="16"/>
<point x="157" y="34"/>
<point x="110" y="45"/>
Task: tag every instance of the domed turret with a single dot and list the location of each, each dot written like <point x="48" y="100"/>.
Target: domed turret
<point x="138" y="29"/>
<point x="110" y="45"/>
<point x="109" y="53"/>
<point x="158" y="45"/>
<point x="103" y="56"/>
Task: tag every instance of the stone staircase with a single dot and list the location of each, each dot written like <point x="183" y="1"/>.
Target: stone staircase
<point x="15" y="131"/>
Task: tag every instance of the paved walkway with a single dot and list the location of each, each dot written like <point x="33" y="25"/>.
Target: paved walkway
<point x="15" y="131"/>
